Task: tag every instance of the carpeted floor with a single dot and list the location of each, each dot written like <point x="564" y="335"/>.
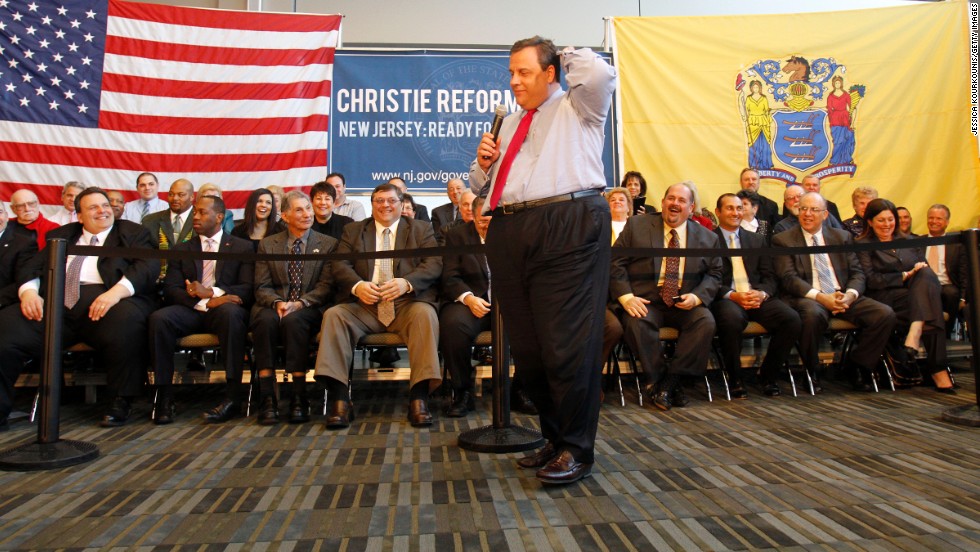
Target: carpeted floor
<point x="839" y="471"/>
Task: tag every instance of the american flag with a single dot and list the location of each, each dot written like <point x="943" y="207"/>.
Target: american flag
<point x="99" y="91"/>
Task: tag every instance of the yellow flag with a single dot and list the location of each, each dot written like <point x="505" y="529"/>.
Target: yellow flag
<point x="876" y="98"/>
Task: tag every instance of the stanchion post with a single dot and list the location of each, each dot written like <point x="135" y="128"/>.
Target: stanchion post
<point x="501" y="371"/>
<point x="50" y="452"/>
<point x="970" y="414"/>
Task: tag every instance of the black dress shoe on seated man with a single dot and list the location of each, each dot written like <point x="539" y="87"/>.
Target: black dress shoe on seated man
<point x="299" y="410"/>
<point x="463" y="404"/>
<point x="418" y="413"/>
<point x="520" y="402"/>
<point x="225" y="411"/>
<point x="539" y="459"/>
<point x="770" y="389"/>
<point x="563" y="469"/>
<point x="341" y="415"/>
<point x="269" y="411"/>
<point x="164" y="411"/>
<point x="661" y="399"/>
<point x="118" y="413"/>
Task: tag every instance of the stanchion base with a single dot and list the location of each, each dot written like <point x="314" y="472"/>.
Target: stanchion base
<point x="503" y="439"/>
<point x="47" y="456"/>
<point x="968" y="415"/>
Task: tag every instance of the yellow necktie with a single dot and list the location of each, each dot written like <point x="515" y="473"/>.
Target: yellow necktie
<point x="740" y="279"/>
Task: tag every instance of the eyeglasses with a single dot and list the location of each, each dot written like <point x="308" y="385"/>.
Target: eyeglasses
<point x="19" y="206"/>
<point x="386" y="201"/>
<point x="811" y="210"/>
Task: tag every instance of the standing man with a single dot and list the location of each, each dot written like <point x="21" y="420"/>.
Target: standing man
<point x="344" y="205"/>
<point x="444" y="215"/>
<point x="107" y="303"/>
<point x="149" y="201"/>
<point x="68" y="194"/>
<point x="948" y="261"/>
<point x="548" y="244"/>
<point x="821" y="285"/>
<point x="173" y="225"/>
<point x="30" y="222"/>
<point x="204" y="296"/>
<point x="667" y="291"/>
<point x="768" y="211"/>
<point x="290" y="297"/>
<point x="378" y="295"/>
<point x="325" y="220"/>
<point x="748" y="293"/>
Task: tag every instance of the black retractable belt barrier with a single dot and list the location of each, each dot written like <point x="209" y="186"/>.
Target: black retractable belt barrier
<point x="970" y="414"/>
<point x="50" y="451"/>
<point x="501" y="436"/>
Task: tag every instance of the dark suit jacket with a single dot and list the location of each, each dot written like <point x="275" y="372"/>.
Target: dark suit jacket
<point x="794" y="271"/>
<point x="15" y="251"/>
<point x="639" y="275"/>
<point x="956" y="267"/>
<point x="142" y="273"/>
<point x="467" y="272"/>
<point x="768" y="211"/>
<point x="883" y="268"/>
<point x="421" y="213"/>
<point x="233" y="277"/>
<point x="441" y="216"/>
<point x="161" y="227"/>
<point x="334" y="227"/>
<point x="422" y="272"/>
<point x="757" y="267"/>
<point x="272" y="280"/>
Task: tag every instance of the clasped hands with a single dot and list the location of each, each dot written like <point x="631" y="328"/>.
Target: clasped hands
<point x="836" y="302"/>
<point x="748" y="300"/>
<point x="370" y="293"/>
<point x="636" y="306"/>
<point x="199" y="291"/>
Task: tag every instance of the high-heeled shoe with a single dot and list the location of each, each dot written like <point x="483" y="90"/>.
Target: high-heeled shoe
<point x="945" y="389"/>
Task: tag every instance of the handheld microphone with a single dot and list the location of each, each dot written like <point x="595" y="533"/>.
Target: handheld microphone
<point x="498" y="120"/>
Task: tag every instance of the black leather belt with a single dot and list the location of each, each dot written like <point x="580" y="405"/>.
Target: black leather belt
<point x="514" y="208"/>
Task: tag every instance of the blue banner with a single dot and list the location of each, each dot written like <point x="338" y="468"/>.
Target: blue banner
<point x="418" y="115"/>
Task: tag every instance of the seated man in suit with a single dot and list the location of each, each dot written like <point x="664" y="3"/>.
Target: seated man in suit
<point x="822" y="285"/>
<point x="791" y="211"/>
<point x="948" y="261"/>
<point x="444" y="215"/>
<point x="325" y="221"/>
<point x="748" y="293"/>
<point x="290" y="297"/>
<point x="29" y="221"/>
<point x="107" y="303"/>
<point x="67" y="213"/>
<point x="668" y="291"/>
<point x="204" y="296"/>
<point x="15" y="251"/>
<point x="378" y="295"/>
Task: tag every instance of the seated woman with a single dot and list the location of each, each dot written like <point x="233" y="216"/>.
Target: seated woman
<point x="637" y="187"/>
<point x="261" y="216"/>
<point x="409" y="207"/>
<point x="902" y="279"/>
<point x="620" y="206"/>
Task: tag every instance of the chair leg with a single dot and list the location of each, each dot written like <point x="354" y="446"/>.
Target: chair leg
<point x="792" y="380"/>
<point x="636" y="375"/>
<point x="809" y="382"/>
<point x="37" y="400"/>
<point x="724" y="381"/>
<point x="153" y="409"/>
<point x="707" y="385"/>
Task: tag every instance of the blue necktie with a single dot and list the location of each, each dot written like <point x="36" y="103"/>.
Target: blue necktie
<point x="822" y="262"/>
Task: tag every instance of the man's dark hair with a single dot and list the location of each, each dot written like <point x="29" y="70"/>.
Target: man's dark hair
<point x="723" y="196"/>
<point x="89" y="191"/>
<point x="142" y="174"/>
<point x="218" y="205"/>
<point x="338" y="175"/>
<point x="323" y="188"/>
<point x="749" y="195"/>
<point x="547" y="53"/>
<point x="478" y="202"/>
<point x="387" y="188"/>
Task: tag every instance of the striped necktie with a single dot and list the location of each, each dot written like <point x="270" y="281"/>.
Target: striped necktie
<point x="822" y="263"/>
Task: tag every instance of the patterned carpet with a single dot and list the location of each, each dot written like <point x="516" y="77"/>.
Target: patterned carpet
<point x="840" y="471"/>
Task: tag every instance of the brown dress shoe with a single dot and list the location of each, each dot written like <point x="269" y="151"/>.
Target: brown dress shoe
<point x="418" y="413"/>
<point x="341" y="415"/>
<point x="564" y="469"/>
<point x="538" y="459"/>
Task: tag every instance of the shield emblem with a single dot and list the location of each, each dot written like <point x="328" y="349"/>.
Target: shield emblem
<point x="801" y="141"/>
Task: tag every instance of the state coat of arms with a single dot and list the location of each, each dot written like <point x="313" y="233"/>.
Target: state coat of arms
<point x="798" y="117"/>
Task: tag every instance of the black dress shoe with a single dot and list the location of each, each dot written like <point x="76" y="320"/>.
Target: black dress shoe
<point x="563" y="469"/>
<point x="463" y="404"/>
<point x="225" y="411"/>
<point x="385" y="356"/>
<point x="539" y="459"/>
<point x="661" y="399"/>
<point x="770" y="389"/>
<point x="679" y="397"/>
<point x="299" y="410"/>
<point x="418" y="413"/>
<point x="164" y="411"/>
<point x="520" y="402"/>
<point x="118" y="413"/>
<point x="737" y="391"/>
<point x="341" y="415"/>
<point x="269" y="411"/>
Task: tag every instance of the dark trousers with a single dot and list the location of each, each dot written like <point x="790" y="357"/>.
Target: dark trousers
<point x="612" y="333"/>
<point x="550" y="272"/>
<point x="119" y="339"/>
<point x="781" y="321"/>
<point x="228" y="321"/>
<point x="875" y="320"/>
<point x="696" y="327"/>
<point x="920" y="300"/>
<point x="951" y="304"/>
<point x="294" y="333"/>
<point x="458" y="328"/>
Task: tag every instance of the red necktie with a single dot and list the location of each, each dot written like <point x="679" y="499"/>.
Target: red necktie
<point x="512" y="148"/>
<point x="671" y="272"/>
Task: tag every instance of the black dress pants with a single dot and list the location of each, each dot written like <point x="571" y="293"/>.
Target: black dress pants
<point x="781" y="321"/>
<point x="458" y="328"/>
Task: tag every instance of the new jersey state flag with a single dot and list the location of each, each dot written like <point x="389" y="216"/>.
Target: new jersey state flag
<point x="877" y="97"/>
<point x="98" y="91"/>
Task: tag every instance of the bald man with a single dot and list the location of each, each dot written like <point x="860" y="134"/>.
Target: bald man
<point x="30" y="222"/>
